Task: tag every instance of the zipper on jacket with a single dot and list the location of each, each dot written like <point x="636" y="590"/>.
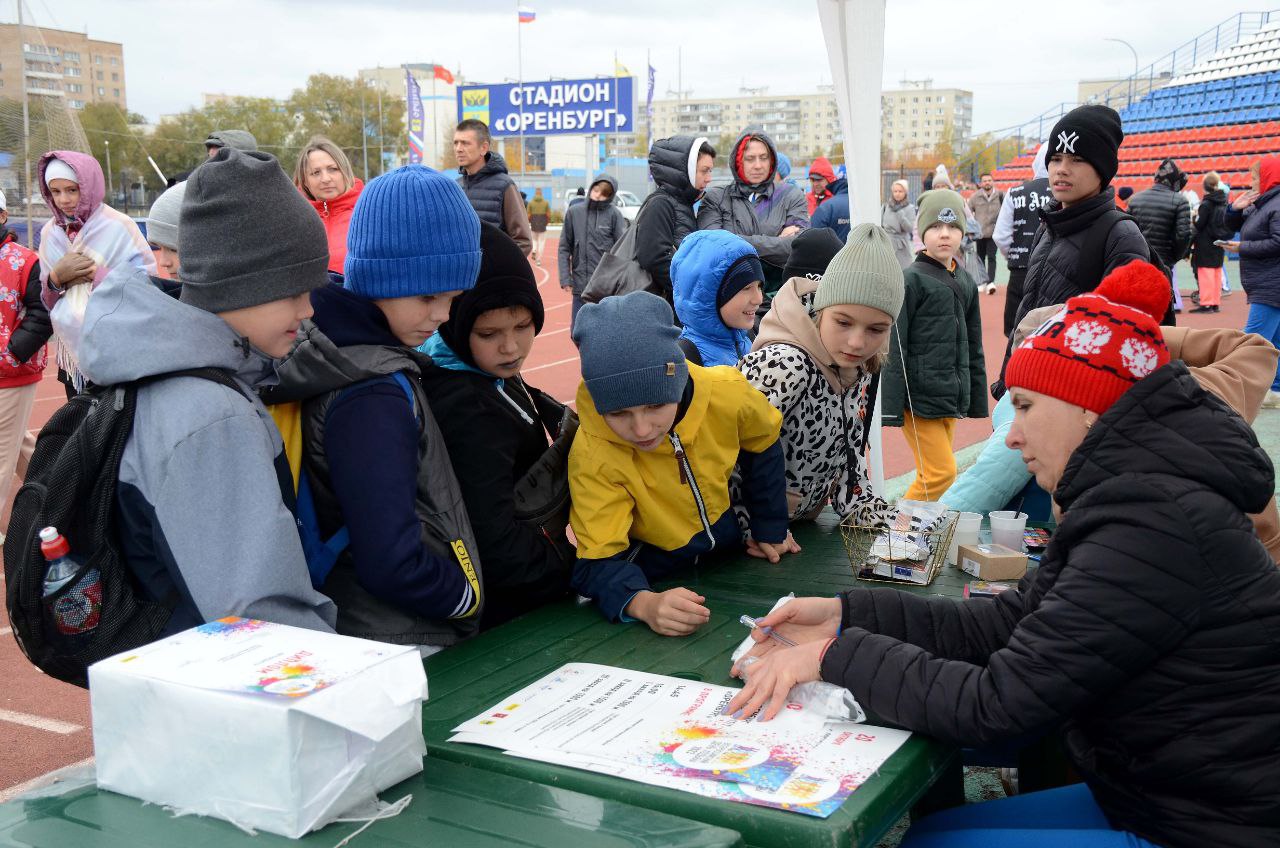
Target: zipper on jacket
<point x="686" y="476"/>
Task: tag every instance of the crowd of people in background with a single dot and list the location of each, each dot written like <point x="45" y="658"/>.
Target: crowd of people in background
<point x="314" y="355"/>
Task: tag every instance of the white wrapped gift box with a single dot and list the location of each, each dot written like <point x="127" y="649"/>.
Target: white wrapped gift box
<point x="266" y="726"/>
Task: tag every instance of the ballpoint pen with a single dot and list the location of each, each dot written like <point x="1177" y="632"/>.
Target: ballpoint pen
<point x="768" y="631"/>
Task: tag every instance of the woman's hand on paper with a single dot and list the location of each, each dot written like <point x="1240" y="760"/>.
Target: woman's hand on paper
<point x="802" y="620"/>
<point x="773" y="677"/>
<point x="775" y="551"/>
<point x="675" y="612"/>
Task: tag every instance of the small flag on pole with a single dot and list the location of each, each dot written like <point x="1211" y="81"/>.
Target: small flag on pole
<point x="442" y="73"/>
<point x="526" y="14"/>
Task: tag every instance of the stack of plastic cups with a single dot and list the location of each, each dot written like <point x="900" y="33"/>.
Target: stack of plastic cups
<point x="966" y="533"/>
<point x="1007" y="528"/>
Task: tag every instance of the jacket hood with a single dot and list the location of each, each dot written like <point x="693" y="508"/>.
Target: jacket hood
<point x="92" y="185"/>
<point x="344" y="202"/>
<point x="493" y="164"/>
<point x="1170" y="175"/>
<point x="673" y="162"/>
<point x="793" y="320"/>
<point x="602" y="204"/>
<point x="822" y="167"/>
<point x="1040" y="164"/>
<point x="841" y="186"/>
<point x="697" y="269"/>
<point x="347" y="340"/>
<point x="1269" y="175"/>
<point x="443" y="357"/>
<point x="735" y="160"/>
<point x="120" y="341"/>
<point x="1167" y="424"/>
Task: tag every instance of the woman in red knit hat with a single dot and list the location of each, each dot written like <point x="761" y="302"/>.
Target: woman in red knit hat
<point x="1149" y="636"/>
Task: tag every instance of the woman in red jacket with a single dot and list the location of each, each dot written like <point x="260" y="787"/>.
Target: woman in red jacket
<point x="323" y="174"/>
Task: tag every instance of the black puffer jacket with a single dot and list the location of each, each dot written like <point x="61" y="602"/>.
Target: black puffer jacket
<point x="1055" y="256"/>
<point x="1210" y="225"/>
<point x="590" y="231"/>
<point x="667" y="216"/>
<point x="1150" y="633"/>
<point x="1165" y="219"/>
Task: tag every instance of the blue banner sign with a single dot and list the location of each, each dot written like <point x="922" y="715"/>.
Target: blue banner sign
<point x="556" y="107"/>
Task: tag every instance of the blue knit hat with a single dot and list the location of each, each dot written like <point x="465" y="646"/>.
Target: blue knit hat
<point x="784" y="165"/>
<point x="413" y="232"/>
<point x="629" y="354"/>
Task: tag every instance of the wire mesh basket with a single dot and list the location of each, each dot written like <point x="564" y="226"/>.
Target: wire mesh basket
<point x="903" y="554"/>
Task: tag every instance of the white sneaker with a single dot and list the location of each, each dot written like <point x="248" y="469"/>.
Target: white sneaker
<point x="991" y="288"/>
<point x="1271" y="401"/>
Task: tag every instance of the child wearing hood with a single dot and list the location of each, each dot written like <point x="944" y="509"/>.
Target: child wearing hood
<point x="716" y="280"/>
<point x="496" y="427"/>
<point x="83" y="241"/>
<point x="649" y="469"/>
<point x="817" y="360"/>
<point x="373" y="454"/>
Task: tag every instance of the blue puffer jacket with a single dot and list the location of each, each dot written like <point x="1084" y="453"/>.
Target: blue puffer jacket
<point x="997" y="475"/>
<point x="698" y="267"/>
<point x="1259" y="228"/>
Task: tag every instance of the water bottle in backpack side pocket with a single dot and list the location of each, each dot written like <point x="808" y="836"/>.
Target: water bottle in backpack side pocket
<point x="78" y="608"/>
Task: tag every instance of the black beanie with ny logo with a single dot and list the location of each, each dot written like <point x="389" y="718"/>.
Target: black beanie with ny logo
<point x="1094" y="134"/>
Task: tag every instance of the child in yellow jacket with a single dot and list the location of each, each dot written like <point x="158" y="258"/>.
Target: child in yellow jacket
<point x="649" y="470"/>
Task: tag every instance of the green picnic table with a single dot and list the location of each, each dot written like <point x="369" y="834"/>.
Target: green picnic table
<point x="452" y="806"/>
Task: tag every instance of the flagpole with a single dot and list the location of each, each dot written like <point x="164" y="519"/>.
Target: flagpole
<point x="520" y="77"/>
<point x="435" y="121"/>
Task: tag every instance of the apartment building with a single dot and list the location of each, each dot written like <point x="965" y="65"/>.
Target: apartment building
<point x="58" y="63"/>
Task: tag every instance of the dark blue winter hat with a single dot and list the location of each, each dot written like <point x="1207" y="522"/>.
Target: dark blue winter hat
<point x="629" y="353"/>
<point x="412" y="233"/>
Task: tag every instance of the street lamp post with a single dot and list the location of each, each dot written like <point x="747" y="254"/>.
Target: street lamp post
<point x="110" y="183"/>
<point x="1133" y="78"/>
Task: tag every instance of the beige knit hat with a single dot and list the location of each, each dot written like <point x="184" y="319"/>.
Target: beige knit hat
<point x="865" y="273"/>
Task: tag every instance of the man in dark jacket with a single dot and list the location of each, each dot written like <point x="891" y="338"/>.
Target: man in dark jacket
<point x="1015" y="231"/>
<point x="1084" y="149"/>
<point x="1165" y="218"/>
<point x="590" y="230"/>
<point x="833" y="213"/>
<point x="492" y="192"/>
<point x="681" y="170"/>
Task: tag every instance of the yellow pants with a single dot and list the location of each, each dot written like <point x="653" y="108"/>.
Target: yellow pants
<point x="930" y="440"/>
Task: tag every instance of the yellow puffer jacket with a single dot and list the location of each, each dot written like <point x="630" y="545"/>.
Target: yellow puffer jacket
<point x="621" y="494"/>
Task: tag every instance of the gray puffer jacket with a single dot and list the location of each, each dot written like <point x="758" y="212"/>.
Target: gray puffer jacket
<point x="756" y="212"/>
<point x="899" y="221"/>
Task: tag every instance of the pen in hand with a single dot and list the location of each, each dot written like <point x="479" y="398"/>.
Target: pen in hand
<point x="768" y="631"/>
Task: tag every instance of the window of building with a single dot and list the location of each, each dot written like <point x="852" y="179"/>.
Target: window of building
<point x="75" y="88"/>
<point x="116" y="91"/>
<point x="97" y="60"/>
<point x="102" y="92"/>
<point x="115" y="60"/>
<point x="942" y="98"/>
<point x="99" y="74"/>
<point x="115" y="77"/>
<point x="71" y="56"/>
<point x="73" y="72"/>
<point x="77" y="104"/>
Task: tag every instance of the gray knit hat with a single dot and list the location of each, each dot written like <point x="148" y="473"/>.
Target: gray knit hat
<point x="162" y="220"/>
<point x="239" y="139"/>
<point x="247" y="235"/>
<point x="629" y="353"/>
<point x="939" y="206"/>
<point x="865" y="273"/>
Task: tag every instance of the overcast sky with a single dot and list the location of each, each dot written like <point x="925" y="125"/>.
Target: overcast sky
<point x="1017" y="58"/>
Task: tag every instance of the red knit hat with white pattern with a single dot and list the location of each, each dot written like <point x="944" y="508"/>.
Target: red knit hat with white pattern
<point x="1099" y="345"/>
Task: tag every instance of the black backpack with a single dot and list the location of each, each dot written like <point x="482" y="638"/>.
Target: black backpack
<point x="71" y="485"/>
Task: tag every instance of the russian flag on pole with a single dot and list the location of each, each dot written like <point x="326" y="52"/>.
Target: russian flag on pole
<point x="526" y="14"/>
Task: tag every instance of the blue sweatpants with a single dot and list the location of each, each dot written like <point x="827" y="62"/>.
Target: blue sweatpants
<point x="1265" y="321"/>
<point x="1058" y="818"/>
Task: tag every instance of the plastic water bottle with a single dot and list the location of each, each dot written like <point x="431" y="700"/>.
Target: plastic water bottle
<point x="77" y="609"/>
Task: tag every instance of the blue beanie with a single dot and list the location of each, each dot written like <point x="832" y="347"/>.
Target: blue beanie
<point x="784" y="165"/>
<point x="413" y="232"/>
<point x="629" y="353"/>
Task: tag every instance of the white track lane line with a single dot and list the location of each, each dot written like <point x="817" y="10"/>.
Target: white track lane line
<point x="548" y="365"/>
<point x="5" y="631"/>
<point x="41" y="781"/>
<point x="40" y="723"/>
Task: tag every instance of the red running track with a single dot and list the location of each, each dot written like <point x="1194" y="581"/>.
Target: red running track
<point x="44" y="724"/>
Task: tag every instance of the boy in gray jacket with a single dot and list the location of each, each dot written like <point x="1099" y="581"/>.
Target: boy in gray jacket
<point x="203" y="482"/>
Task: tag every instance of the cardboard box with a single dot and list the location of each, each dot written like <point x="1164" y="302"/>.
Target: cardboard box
<point x="266" y="726"/>
<point x="992" y="562"/>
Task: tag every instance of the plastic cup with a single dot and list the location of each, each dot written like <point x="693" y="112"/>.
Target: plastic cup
<point x="966" y="533"/>
<point x="1007" y="528"/>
